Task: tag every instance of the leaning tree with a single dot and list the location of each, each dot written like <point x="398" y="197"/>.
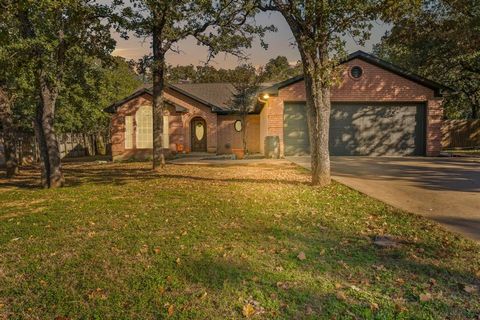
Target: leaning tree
<point x="320" y="28"/>
<point x="221" y="26"/>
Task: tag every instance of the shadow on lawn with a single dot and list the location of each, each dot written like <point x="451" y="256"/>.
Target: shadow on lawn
<point x="294" y="295"/>
<point x="29" y="178"/>
<point x="297" y="285"/>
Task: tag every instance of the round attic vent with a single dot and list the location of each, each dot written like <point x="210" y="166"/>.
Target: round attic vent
<point x="356" y="72"/>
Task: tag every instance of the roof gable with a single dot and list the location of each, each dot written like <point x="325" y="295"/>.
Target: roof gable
<point x="113" y="107"/>
<point x="438" y="88"/>
<point x="217" y="96"/>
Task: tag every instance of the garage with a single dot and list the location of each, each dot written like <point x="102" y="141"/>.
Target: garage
<point x="378" y="109"/>
<point x="361" y="129"/>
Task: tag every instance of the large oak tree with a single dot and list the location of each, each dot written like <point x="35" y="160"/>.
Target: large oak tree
<point x="221" y="26"/>
<point x="52" y="37"/>
<point x="319" y="28"/>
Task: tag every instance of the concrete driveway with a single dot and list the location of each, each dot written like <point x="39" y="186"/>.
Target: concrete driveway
<point x="446" y="190"/>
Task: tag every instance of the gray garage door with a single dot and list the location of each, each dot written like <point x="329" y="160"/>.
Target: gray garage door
<point x="361" y="129"/>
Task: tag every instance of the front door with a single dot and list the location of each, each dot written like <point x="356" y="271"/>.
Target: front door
<point x="198" y="135"/>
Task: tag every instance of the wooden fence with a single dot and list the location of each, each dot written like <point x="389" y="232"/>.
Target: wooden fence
<point x="71" y="145"/>
<point x="461" y="134"/>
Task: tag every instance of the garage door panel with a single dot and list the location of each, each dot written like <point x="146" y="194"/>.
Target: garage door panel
<point x="296" y="139"/>
<point x="363" y="129"/>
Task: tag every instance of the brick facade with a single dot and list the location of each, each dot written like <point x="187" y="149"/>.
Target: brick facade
<point x="229" y="138"/>
<point x="179" y="125"/>
<point x="375" y="85"/>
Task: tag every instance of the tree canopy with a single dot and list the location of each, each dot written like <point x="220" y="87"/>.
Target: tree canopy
<point x="440" y="40"/>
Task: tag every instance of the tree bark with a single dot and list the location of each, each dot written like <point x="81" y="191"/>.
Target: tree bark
<point x="475" y="109"/>
<point x="100" y="147"/>
<point x="244" y="134"/>
<point x="9" y="141"/>
<point x="44" y="163"/>
<point x="318" y="116"/>
<point x="158" y="72"/>
<point x="47" y="138"/>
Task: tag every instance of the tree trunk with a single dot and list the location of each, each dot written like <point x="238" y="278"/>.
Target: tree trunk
<point x="45" y="119"/>
<point x="100" y="147"/>
<point x="475" y="110"/>
<point x="244" y="134"/>
<point x="9" y="141"/>
<point x="318" y="115"/>
<point x="44" y="163"/>
<point x="158" y="70"/>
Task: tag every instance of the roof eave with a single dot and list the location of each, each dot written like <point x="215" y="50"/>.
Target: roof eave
<point x="438" y="88"/>
<point x="113" y="107"/>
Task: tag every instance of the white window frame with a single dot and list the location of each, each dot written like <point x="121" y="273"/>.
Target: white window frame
<point x="128" y="132"/>
<point x="144" y="129"/>
<point x="166" y="131"/>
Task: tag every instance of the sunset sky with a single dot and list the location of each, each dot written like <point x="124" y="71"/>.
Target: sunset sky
<point x="279" y="44"/>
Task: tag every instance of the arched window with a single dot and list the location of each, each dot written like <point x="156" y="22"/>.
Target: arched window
<point x="144" y="120"/>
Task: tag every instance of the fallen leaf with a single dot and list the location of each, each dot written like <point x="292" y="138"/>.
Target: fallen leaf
<point x="156" y="250"/>
<point x="470" y="288"/>
<point x="308" y="310"/>
<point x="301" y="256"/>
<point x="341" y="295"/>
<point x="374" y="306"/>
<point x="424" y="297"/>
<point x="178" y="261"/>
<point x="171" y="310"/>
<point x="248" y="310"/>
<point x="379" y="267"/>
<point x="97" y="294"/>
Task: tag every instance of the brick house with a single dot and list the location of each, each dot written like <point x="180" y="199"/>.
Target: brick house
<point x="377" y="109"/>
<point x="198" y="118"/>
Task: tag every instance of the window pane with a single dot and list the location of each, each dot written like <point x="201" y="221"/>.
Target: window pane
<point x="128" y="132"/>
<point x="144" y="127"/>
<point x="199" y="131"/>
<point x="166" y="125"/>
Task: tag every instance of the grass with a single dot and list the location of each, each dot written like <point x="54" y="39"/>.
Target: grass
<point x="206" y="242"/>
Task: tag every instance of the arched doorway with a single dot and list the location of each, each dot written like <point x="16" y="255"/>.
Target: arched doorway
<point x="198" y="135"/>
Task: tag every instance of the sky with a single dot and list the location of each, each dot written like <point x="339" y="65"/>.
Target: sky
<point x="280" y="43"/>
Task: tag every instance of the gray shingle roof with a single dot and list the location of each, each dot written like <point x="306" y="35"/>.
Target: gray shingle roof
<point x="217" y="95"/>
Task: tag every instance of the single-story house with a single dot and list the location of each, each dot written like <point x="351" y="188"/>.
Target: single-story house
<point x="378" y="109"/>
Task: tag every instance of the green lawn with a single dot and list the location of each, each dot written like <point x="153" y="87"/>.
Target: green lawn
<point x="198" y="242"/>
